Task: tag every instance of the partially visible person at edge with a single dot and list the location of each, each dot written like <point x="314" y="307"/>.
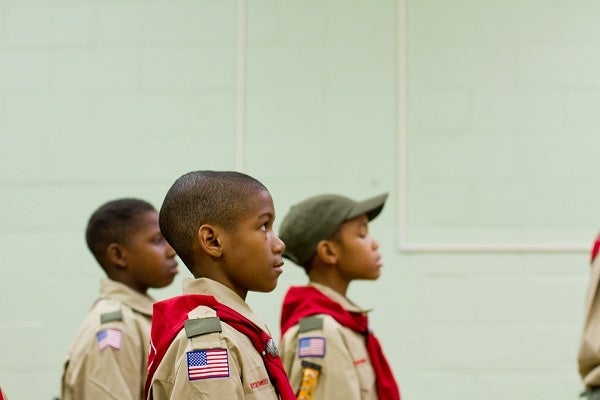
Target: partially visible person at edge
<point x="208" y="343"/>
<point x="327" y="347"/>
<point x="589" y="348"/>
<point x="107" y="359"/>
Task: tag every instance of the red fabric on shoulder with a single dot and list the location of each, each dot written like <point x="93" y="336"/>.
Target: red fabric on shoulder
<point x="169" y="316"/>
<point x="304" y="301"/>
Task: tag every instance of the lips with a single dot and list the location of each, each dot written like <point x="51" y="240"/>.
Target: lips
<point x="173" y="269"/>
<point x="279" y="265"/>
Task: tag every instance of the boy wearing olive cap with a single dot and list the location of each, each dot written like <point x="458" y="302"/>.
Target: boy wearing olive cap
<point x="327" y="347"/>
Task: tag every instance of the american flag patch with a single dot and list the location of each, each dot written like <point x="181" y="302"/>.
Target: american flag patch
<point x="207" y="363"/>
<point x="109" y="337"/>
<point x="311" y="347"/>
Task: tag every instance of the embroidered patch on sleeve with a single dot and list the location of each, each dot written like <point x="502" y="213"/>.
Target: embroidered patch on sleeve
<point x="207" y="363"/>
<point x="109" y="337"/>
<point x="311" y="347"/>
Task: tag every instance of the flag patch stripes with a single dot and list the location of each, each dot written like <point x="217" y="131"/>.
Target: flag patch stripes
<point x="109" y="337"/>
<point x="207" y="363"/>
<point x="313" y="346"/>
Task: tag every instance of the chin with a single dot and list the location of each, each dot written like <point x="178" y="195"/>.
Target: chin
<point x="264" y="288"/>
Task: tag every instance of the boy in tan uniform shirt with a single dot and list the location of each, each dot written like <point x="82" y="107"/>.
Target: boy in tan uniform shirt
<point x="589" y="348"/>
<point x="208" y="343"/>
<point x="327" y="347"/>
<point x="107" y="359"/>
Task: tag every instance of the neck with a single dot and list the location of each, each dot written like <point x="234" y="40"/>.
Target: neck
<point x="328" y="277"/>
<point x="216" y="274"/>
<point x="128" y="281"/>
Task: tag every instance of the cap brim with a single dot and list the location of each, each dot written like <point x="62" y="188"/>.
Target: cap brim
<point x="372" y="207"/>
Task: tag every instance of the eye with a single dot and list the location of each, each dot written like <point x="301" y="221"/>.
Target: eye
<point x="264" y="227"/>
<point x="363" y="232"/>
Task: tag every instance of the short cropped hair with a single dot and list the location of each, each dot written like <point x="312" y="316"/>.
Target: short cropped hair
<point x="113" y="222"/>
<point x="218" y="198"/>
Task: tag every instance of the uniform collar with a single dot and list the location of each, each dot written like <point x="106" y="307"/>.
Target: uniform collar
<point x="118" y="291"/>
<point x="223" y="294"/>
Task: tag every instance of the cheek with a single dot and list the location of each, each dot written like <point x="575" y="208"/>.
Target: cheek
<point x="364" y="250"/>
<point x="154" y="255"/>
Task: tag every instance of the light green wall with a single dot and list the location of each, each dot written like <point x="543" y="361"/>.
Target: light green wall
<point x="502" y="117"/>
<point x="119" y="98"/>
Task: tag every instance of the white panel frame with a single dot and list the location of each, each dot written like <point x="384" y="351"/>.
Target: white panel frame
<point x="404" y="244"/>
<point x="240" y="98"/>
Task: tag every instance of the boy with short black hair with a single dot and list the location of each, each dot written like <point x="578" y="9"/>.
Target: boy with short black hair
<point x="107" y="359"/>
<point x="327" y="347"/>
<point x="208" y="343"/>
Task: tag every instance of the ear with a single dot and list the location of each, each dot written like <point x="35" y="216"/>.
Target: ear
<point x="327" y="252"/>
<point x="116" y="255"/>
<point x="208" y="239"/>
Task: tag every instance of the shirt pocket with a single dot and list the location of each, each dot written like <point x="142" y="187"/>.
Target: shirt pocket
<point x="362" y="364"/>
<point x="255" y="379"/>
<point x="366" y="376"/>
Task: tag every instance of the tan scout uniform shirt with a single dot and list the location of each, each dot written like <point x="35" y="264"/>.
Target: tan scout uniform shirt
<point x="110" y="373"/>
<point x="589" y="349"/>
<point x="346" y="371"/>
<point x="248" y="377"/>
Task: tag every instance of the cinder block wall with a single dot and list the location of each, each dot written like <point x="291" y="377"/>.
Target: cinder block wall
<point x="100" y="100"/>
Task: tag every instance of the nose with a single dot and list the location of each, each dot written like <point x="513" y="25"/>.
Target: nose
<point x="170" y="250"/>
<point x="278" y="244"/>
<point x="375" y="244"/>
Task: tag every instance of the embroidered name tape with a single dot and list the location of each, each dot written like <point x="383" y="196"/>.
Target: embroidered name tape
<point x="207" y="363"/>
<point x="313" y="346"/>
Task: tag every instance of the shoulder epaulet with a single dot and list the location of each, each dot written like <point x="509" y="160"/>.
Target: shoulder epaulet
<point x="111" y="316"/>
<point x="202" y="326"/>
<point x="310" y="324"/>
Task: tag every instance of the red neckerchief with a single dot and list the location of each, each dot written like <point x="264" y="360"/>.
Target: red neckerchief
<point x="304" y="301"/>
<point x="168" y="319"/>
<point x="595" y="249"/>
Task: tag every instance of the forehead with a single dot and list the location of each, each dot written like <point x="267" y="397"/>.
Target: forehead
<point x="144" y="221"/>
<point x="144" y="225"/>
<point x="262" y="198"/>
<point x="358" y="221"/>
<point x="258" y="203"/>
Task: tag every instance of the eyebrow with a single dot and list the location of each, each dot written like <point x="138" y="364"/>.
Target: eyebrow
<point x="268" y="215"/>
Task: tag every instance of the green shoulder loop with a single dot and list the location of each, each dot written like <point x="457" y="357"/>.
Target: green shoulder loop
<point x="111" y="316"/>
<point x="202" y="326"/>
<point x="310" y="324"/>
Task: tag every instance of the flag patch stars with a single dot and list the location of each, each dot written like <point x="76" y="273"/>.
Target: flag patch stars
<point x="207" y="363"/>
<point x="109" y="337"/>
<point x="311" y="347"/>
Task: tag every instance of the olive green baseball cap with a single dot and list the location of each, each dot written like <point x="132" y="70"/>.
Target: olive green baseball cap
<point x="317" y="218"/>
